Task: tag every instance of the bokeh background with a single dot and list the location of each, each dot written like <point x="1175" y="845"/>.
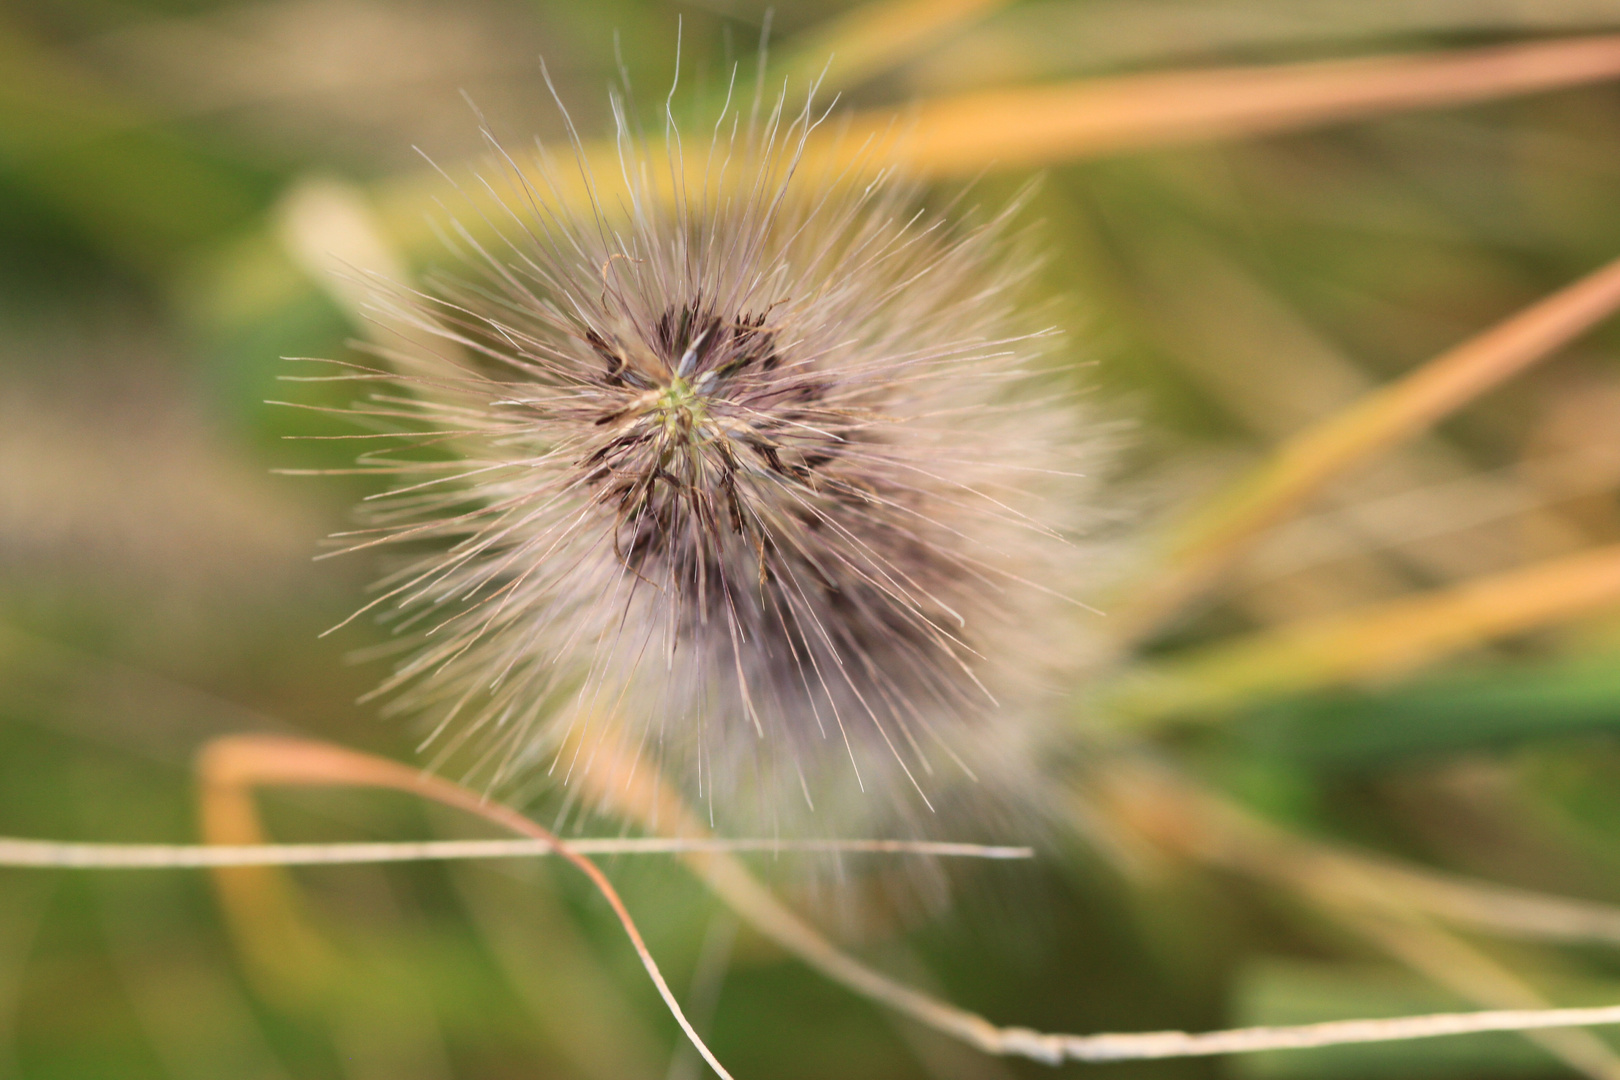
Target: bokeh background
<point x="1223" y="289"/>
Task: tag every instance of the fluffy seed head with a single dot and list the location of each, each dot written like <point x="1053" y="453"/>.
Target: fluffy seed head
<point x="740" y="453"/>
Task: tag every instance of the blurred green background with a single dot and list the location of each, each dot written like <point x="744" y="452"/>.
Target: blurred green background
<point x="157" y="587"/>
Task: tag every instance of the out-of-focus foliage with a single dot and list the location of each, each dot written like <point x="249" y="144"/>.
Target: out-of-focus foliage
<point x="157" y="588"/>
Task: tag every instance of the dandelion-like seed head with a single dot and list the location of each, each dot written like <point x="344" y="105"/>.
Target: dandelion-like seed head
<point x="740" y="453"/>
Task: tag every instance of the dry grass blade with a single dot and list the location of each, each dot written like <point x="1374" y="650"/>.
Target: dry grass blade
<point x="1167" y="1044"/>
<point x="1031" y="126"/>
<point x="1175" y="812"/>
<point x="1449" y="961"/>
<point x="1034" y="126"/>
<point x="1372" y="642"/>
<point x="1356" y="893"/>
<point x="962" y="135"/>
<point x="1503" y="910"/>
<point x="1218" y="535"/>
<point x="630" y="786"/>
<point x="1477" y="905"/>
<point x="231" y="767"/>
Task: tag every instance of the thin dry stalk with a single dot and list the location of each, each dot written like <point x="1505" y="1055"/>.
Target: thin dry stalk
<point x="230" y="767"/>
<point x="1167" y="1044"/>
<point x="1451" y="962"/>
<point x="1034" y="126"/>
<point x="630" y="786"/>
<point x="15" y="851"/>
<point x="1030" y="127"/>
<point x="1502" y="910"/>
<point x="1360" y="894"/>
<point x="1179" y="815"/>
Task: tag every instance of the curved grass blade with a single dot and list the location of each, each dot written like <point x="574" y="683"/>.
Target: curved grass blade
<point x="231" y="767"/>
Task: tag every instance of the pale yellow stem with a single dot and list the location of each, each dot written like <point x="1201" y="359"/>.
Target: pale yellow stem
<point x="1032" y="126"/>
<point x="1374" y="642"/>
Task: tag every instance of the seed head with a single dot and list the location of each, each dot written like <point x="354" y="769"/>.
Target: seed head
<point x="749" y="458"/>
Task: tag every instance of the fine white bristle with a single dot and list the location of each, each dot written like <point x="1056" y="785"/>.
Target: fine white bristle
<point x="748" y="457"/>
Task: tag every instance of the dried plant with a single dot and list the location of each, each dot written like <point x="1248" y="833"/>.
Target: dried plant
<point x="730" y="491"/>
<point x="750" y="456"/>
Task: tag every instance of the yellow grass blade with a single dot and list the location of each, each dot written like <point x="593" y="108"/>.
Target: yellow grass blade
<point x="1374" y="642"/>
<point x="1178" y="813"/>
<point x="1034" y="126"/>
<point x="1213" y="538"/>
<point x="1024" y="127"/>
